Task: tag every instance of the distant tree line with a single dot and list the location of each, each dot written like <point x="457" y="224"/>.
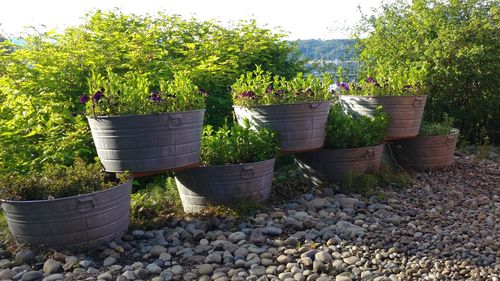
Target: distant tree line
<point x="329" y="50"/>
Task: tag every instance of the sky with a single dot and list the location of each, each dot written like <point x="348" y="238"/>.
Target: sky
<point x="305" y="19"/>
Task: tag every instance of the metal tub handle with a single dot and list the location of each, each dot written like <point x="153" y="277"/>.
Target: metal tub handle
<point x="85" y="205"/>
<point x="174" y="121"/>
<point x="369" y="154"/>
<point x="247" y="172"/>
<point x="417" y="102"/>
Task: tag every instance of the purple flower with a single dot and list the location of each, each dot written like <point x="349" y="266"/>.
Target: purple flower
<point x="202" y="91"/>
<point x="74" y="114"/>
<point x="248" y="94"/>
<point x="154" y="96"/>
<point x="371" y="80"/>
<point x="406" y="88"/>
<point x="279" y="93"/>
<point x="84" y="99"/>
<point x="343" y="85"/>
<point x="97" y="96"/>
<point x="269" y="89"/>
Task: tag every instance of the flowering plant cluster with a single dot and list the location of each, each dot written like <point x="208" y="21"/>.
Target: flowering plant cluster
<point x="132" y="94"/>
<point x="371" y="87"/>
<point x="261" y="88"/>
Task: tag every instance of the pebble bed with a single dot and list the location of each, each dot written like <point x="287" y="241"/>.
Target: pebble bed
<point x="445" y="227"/>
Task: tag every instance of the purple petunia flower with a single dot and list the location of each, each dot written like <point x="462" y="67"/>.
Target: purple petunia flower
<point x="269" y="89"/>
<point x="248" y="94"/>
<point x="344" y="86"/>
<point x="97" y="96"/>
<point x="371" y="80"/>
<point x="202" y="91"/>
<point x="278" y="93"/>
<point x="154" y="96"/>
<point x="84" y="99"/>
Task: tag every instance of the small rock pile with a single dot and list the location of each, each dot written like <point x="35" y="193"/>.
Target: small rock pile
<point x="445" y="227"/>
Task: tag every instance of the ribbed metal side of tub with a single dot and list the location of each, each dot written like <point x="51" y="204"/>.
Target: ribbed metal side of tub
<point x="216" y="185"/>
<point x="148" y="143"/>
<point x="425" y="152"/>
<point x="405" y="112"/>
<point x="82" y="221"/>
<point x="301" y="127"/>
<point x="333" y="165"/>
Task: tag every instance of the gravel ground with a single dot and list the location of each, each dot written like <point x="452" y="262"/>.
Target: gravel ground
<point x="445" y="227"/>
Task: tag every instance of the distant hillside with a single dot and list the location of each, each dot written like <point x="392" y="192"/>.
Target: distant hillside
<point x="327" y="50"/>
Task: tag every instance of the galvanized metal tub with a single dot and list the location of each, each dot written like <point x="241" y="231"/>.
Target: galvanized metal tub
<point x="425" y="152"/>
<point x="405" y="112"/>
<point x="148" y="143"/>
<point x="86" y="220"/>
<point x="301" y="127"/>
<point x="333" y="165"/>
<point x="225" y="184"/>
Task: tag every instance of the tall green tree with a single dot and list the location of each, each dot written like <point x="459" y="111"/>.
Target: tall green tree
<point x="41" y="81"/>
<point x="453" y="46"/>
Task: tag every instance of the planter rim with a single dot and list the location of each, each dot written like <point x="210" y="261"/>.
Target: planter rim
<point x="236" y="165"/>
<point x="348" y="148"/>
<point x="382" y="96"/>
<point x="130" y="115"/>
<point x="451" y="133"/>
<point x="129" y="182"/>
<point x="281" y="104"/>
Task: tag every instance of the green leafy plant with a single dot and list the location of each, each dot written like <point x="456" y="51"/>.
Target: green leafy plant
<point x="451" y="46"/>
<point x="437" y="128"/>
<point x="155" y="200"/>
<point x="55" y="182"/>
<point x="42" y="79"/>
<point x="367" y="184"/>
<point x="237" y="145"/>
<point x="344" y="130"/>
<point x="370" y="87"/>
<point x="360" y="183"/>
<point x="131" y="94"/>
<point x="260" y="87"/>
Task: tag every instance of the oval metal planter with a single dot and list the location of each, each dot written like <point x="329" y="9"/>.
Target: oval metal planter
<point x="86" y="220"/>
<point x="301" y="126"/>
<point x="333" y="165"/>
<point x="225" y="184"/>
<point x="425" y="152"/>
<point x="148" y="144"/>
<point x="405" y="112"/>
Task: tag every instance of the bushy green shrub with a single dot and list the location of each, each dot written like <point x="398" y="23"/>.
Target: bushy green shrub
<point x="237" y="145"/>
<point x="42" y="81"/>
<point x="451" y="46"/>
<point x="55" y="181"/>
<point x="260" y="87"/>
<point x="344" y="130"/>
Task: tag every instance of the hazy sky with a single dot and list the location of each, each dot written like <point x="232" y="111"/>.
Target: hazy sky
<point x="305" y="19"/>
